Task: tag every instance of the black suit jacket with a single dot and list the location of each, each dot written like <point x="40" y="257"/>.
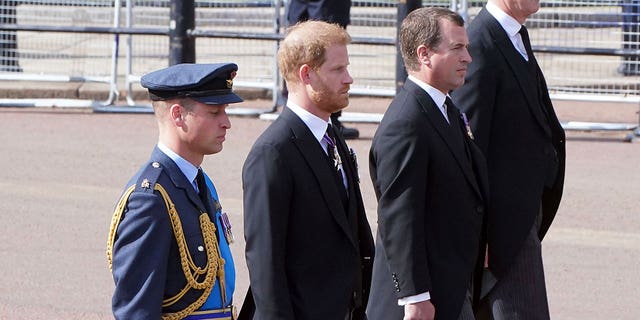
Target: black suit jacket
<point x="518" y="131"/>
<point x="309" y="254"/>
<point x="430" y="206"/>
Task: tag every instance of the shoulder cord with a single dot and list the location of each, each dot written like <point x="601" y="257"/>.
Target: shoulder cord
<point x="214" y="267"/>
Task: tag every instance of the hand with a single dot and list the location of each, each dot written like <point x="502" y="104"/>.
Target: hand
<point x="423" y="310"/>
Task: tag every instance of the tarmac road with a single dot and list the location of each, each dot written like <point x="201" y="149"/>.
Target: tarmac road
<point x="63" y="170"/>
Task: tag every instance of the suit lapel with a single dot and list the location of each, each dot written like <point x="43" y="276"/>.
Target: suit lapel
<point x="445" y="130"/>
<point x="314" y="156"/>
<point x="528" y="84"/>
<point x="467" y="166"/>
<point x="350" y="169"/>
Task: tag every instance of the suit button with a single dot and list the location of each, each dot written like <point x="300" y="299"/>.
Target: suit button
<point x="480" y="209"/>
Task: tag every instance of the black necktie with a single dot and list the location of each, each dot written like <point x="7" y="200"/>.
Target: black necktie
<point x="448" y="109"/>
<point x="455" y="120"/>
<point x="533" y="66"/>
<point x="527" y="42"/>
<point x="332" y="149"/>
<point x="334" y="155"/>
<point x="451" y="113"/>
<point x="203" y="190"/>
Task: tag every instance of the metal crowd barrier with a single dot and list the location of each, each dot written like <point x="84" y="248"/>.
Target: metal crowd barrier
<point x="581" y="46"/>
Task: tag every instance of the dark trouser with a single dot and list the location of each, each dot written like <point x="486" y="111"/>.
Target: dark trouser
<point x="521" y="294"/>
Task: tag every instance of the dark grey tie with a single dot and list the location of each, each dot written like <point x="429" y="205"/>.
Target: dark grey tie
<point x="455" y="120"/>
<point x="448" y="109"/>
<point x="526" y="41"/>
<point x="533" y="65"/>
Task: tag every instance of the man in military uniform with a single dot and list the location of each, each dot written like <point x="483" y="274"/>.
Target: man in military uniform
<point x="168" y="246"/>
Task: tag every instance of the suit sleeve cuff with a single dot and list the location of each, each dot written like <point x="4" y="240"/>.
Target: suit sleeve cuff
<point x="413" y="299"/>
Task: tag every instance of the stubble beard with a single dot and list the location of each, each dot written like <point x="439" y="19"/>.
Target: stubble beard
<point x="328" y="100"/>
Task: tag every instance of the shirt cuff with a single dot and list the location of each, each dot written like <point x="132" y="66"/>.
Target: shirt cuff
<point x="413" y="299"/>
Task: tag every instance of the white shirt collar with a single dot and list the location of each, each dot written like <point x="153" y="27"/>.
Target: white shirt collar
<point x="317" y="126"/>
<point x="511" y="26"/>
<point x="436" y="95"/>
<point x="189" y="170"/>
<point x="507" y="22"/>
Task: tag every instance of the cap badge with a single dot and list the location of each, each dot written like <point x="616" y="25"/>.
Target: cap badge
<point x="230" y="81"/>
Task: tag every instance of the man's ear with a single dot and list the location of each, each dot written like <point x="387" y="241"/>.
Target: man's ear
<point x="424" y="55"/>
<point x="304" y="73"/>
<point x="176" y="112"/>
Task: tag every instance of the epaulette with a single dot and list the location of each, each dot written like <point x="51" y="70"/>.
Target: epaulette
<point x="146" y="183"/>
<point x="148" y="177"/>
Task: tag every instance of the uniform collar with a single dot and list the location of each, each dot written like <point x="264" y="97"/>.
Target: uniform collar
<point x="189" y="170"/>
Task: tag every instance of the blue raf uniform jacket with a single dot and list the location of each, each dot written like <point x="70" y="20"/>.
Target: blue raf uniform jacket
<point x="144" y="251"/>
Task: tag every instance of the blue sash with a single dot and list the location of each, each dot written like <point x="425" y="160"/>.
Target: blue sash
<point x="215" y="300"/>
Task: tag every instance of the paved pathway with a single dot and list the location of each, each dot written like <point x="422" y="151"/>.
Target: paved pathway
<point x="63" y="171"/>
